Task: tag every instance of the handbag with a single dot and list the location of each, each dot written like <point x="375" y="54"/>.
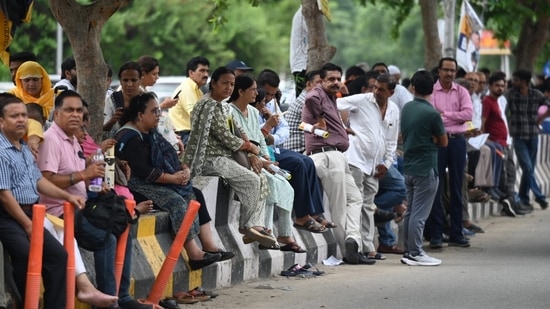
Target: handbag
<point x="106" y="212"/>
<point x="240" y="156"/>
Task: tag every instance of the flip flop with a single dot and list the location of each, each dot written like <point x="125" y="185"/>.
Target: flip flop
<point x="274" y="247"/>
<point x="199" y="291"/>
<point x="296" y="270"/>
<point x="185" y="298"/>
<point x="322" y="220"/>
<point x="261" y="237"/>
<point x="316" y="272"/>
<point x="294" y="247"/>
<point x="311" y="226"/>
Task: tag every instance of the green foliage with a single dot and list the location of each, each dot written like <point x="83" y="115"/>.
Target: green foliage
<point x="363" y="34"/>
<point x="175" y="31"/>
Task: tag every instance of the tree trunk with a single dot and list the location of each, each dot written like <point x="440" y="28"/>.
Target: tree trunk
<point x="432" y="44"/>
<point x="533" y="36"/>
<point x="319" y="50"/>
<point x="82" y="24"/>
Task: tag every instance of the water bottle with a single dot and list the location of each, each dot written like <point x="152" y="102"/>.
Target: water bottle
<point x="277" y="170"/>
<point x="95" y="184"/>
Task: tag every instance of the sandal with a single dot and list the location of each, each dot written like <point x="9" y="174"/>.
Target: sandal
<point x="311" y="226"/>
<point x="199" y="291"/>
<point x="185" y="298"/>
<point x="321" y="219"/>
<point x="294" y="247"/>
<point x="263" y="237"/>
<point x="296" y="270"/>
<point x="274" y="247"/>
<point x="316" y="272"/>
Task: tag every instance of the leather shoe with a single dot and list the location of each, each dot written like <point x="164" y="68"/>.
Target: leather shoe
<point x="225" y="255"/>
<point x="390" y="249"/>
<point x="353" y="256"/>
<point x="208" y="259"/>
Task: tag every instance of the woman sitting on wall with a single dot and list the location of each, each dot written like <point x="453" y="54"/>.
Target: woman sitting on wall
<point x="158" y="175"/>
<point x="209" y="150"/>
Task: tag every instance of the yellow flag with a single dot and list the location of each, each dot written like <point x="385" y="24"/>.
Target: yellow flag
<point x="323" y="7"/>
<point x="5" y="38"/>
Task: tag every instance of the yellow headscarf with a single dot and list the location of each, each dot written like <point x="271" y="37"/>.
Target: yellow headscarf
<point x="33" y="69"/>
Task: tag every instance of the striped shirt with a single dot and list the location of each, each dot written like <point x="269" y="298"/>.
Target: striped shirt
<point x="296" y="141"/>
<point x="18" y="171"/>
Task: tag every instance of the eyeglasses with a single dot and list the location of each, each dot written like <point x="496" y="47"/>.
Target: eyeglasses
<point x="156" y="111"/>
<point x="472" y="80"/>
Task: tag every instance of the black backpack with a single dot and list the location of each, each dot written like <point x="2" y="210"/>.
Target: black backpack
<point x="107" y="212"/>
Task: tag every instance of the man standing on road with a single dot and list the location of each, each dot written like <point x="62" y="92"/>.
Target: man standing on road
<point x="331" y="164"/>
<point x="454" y="104"/>
<point x="189" y="93"/>
<point x="423" y="131"/>
<point x="371" y="152"/>
<point x="523" y="105"/>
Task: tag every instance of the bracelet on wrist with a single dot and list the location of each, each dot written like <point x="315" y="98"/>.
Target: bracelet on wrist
<point x="71" y="179"/>
<point x="250" y="155"/>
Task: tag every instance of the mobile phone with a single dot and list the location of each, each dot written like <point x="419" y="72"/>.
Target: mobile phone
<point x="177" y="95"/>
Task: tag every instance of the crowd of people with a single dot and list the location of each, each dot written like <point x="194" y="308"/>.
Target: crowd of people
<point x="380" y="148"/>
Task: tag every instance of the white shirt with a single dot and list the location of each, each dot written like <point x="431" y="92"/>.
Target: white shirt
<point x="401" y="96"/>
<point x="502" y="103"/>
<point x="298" y="42"/>
<point x="368" y="147"/>
<point x="476" y="104"/>
<point x="66" y="83"/>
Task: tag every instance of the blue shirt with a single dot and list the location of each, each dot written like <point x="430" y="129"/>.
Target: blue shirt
<point x="18" y="171"/>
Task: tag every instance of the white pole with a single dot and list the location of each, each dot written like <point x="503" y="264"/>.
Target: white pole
<point x="59" y="51"/>
<point x="449" y="41"/>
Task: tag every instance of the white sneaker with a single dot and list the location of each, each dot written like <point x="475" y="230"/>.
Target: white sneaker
<point x="420" y="260"/>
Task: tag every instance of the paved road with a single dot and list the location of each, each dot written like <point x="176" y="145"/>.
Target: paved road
<point x="507" y="267"/>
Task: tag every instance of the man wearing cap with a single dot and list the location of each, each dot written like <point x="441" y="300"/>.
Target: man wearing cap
<point x="395" y="72"/>
<point x="68" y="75"/>
<point x="188" y="93"/>
<point x="238" y="67"/>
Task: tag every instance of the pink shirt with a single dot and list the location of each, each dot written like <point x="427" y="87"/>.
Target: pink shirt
<point x="59" y="154"/>
<point x="456" y="106"/>
<point x="89" y="146"/>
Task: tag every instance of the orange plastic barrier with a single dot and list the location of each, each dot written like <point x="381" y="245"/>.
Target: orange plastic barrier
<point x="121" y="246"/>
<point x="34" y="270"/>
<point x="68" y="242"/>
<point x="175" y="251"/>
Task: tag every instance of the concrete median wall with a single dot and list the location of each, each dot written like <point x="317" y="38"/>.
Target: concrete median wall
<point x="152" y="240"/>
